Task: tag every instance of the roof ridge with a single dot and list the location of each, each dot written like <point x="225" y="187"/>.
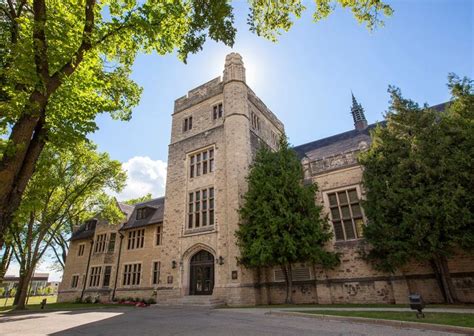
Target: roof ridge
<point x="149" y="201"/>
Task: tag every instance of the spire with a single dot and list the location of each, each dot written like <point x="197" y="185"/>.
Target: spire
<point x="357" y="112"/>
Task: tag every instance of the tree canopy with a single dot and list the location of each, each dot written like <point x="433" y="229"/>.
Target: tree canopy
<point x="419" y="177"/>
<point x="67" y="187"/>
<point x="281" y="223"/>
<point x="64" y="61"/>
<point x="141" y="199"/>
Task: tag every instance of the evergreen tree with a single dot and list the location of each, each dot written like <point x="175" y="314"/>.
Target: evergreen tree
<point x="419" y="177"/>
<point x="282" y="224"/>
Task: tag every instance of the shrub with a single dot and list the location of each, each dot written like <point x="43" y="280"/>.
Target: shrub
<point x="87" y="299"/>
<point x="151" y="301"/>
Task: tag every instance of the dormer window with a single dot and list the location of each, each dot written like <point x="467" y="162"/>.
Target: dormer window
<point x="187" y="124"/>
<point x="90" y="224"/>
<point x="141" y="213"/>
<point x="217" y="111"/>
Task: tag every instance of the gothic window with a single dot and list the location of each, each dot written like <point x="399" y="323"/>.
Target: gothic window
<point x="107" y="273"/>
<point x="136" y="239"/>
<point x="346" y="214"/>
<point x="255" y="121"/>
<point x="94" y="279"/>
<point x="217" y="111"/>
<point x="187" y="124"/>
<point x="131" y="274"/>
<point x="156" y="273"/>
<point x="100" y="243"/>
<point x="159" y="234"/>
<point x="80" y="252"/>
<point x="201" y="208"/>
<point x="74" y="281"/>
<point x="201" y="163"/>
<point x="112" y="238"/>
<point x="275" y="138"/>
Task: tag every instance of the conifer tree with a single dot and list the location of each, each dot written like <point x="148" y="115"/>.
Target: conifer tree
<point x="282" y="224"/>
<point x="419" y="177"/>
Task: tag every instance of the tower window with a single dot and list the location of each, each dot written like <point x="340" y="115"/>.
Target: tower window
<point x="187" y="124"/>
<point x="201" y="208"/>
<point x="217" y="111"/>
<point x="255" y="121"/>
<point x="201" y="163"/>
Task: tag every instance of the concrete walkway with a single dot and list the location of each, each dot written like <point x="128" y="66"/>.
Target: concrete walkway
<point x="189" y="321"/>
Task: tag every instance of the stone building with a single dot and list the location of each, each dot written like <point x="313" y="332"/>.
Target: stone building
<point x="181" y="248"/>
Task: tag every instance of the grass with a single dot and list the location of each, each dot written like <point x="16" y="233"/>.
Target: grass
<point x="452" y="319"/>
<point x="33" y="300"/>
<point x="359" y="305"/>
<point x="34" y="304"/>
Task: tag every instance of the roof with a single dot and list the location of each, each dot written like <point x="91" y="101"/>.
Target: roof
<point x="155" y="214"/>
<point x="127" y="209"/>
<point x="82" y="233"/>
<point x="344" y="142"/>
<point x="335" y="144"/>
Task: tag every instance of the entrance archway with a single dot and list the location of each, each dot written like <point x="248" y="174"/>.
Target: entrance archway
<point x="201" y="274"/>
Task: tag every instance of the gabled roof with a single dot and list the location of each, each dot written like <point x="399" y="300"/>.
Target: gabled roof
<point x="127" y="209"/>
<point x="83" y="232"/>
<point x="155" y="214"/>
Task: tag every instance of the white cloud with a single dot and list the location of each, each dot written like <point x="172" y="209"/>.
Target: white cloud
<point x="144" y="176"/>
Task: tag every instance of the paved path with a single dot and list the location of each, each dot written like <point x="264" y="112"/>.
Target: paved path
<point x="197" y="321"/>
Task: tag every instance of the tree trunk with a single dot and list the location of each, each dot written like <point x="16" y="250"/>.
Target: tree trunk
<point x="27" y="139"/>
<point x="25" y="284"/>
<point x="6" y="258"/>
<point x="18" y="290"/>
<point x="445" y="283"/>
<point x="289" y="283"/>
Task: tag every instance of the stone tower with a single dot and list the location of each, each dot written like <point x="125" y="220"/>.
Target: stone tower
<point x="216" y="129"/>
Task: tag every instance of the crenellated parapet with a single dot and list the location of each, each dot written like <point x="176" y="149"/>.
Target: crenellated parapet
<point x="199" y="94"/>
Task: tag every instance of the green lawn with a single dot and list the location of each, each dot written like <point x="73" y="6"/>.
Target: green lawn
<point x="31" y="301"/>
<point x="51" y="304"/>
<point x="357" y="305"/>
<point x="453" y="319"/>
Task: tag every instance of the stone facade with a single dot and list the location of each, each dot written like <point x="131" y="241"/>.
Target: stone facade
<point x="224" y="119"/>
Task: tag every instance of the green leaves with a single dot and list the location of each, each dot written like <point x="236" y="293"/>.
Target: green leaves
<point x="281" y="222"/>
<point x="419" y="178"/>
<point x="269" y="18"/>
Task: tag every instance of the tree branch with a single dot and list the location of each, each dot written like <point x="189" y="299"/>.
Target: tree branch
<point x="86" y="44"/>
<point x="39" y="40"/>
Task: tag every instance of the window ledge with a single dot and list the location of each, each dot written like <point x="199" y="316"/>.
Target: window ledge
<point x="348" y="243"/>
<point x="205" y="229"/>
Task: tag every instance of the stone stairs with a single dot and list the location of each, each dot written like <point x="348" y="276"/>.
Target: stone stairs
<point x="207" y="301"/>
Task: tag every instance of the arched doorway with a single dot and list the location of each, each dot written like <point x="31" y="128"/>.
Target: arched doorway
<point x="202" y="274"/>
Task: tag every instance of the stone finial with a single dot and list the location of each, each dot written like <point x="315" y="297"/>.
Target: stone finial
<point x="358" y="115"/>
<point x="234" y="68"/>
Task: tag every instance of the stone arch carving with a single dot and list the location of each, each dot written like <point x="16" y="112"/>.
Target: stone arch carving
<point x="190" y="252"/>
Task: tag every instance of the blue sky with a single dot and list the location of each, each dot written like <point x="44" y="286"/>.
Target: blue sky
<point x="305" y="78"/>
